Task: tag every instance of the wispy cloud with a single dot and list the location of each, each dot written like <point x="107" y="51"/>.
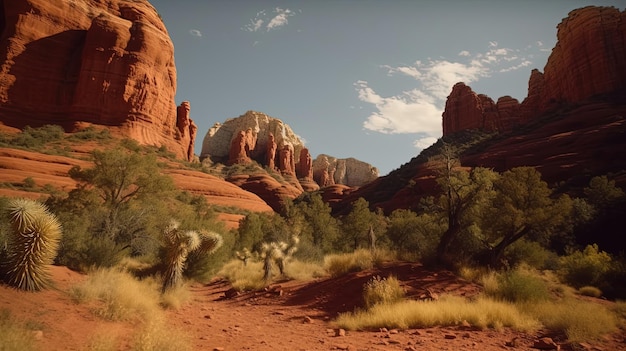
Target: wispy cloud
<point x="195" y="33"/>
<point x="419" y="111"/>
<point x="263" y="20"/>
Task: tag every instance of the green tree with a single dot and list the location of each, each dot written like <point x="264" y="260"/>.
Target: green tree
<point x="413" y="234"/>
<point x="522" y="207"/>
<point x="464" y="194"/>
<point x="602" y="192"/>
<point x="312" y="218"/>
<point x="358" y="225"/>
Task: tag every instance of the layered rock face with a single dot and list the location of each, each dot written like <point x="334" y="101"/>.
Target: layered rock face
<point x="587" y="61"/>
<point x="81" y="62"/>
<point x="253" y="136"/>
<point x="589" y="57"/>
<point x="328" y="170"/>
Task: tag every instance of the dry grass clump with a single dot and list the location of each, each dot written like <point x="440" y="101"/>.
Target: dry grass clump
<point x="175" y="297"/>
<point x="447" y="311"/>
<point x="304" y="271"/>
<point x="590" y="291"/>
<point x="359" y="260"/>
<point x="117" y="295"/>
<point x="157" y="336"/>
<point x="244" y="277"/>
<point x="579" y="320"/>
<point x="382" y="291"/>
<point x="13" y="334"/>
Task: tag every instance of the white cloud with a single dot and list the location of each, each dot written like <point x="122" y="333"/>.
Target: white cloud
<point x="424" y="142"/>
<point x="410" y="112"/>
<point x="419" y="110"/>
<point x="195" y="33"/>
<point x="262" y="20"/>
<point x="280" y="19"/>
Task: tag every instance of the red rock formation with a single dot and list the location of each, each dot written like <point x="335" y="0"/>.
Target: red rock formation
<point x="107" y="63"/>
<point x="530" y="107"/>
<point x="305" y="166"/>
<point x="589" y="56"/>
<point x="271" y="152"/>
<point x="240" y="147"/>
<point x="286" y="160"/>
<point x="588" y="60"/>
<point x="267" y="188"/>
<point x="463" y="110"/>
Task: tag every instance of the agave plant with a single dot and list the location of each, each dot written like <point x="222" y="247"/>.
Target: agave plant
<point x="178" y="245"/>
<point x="32" y="244"/>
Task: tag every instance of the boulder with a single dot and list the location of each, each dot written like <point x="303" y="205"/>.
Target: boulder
<point x="80" y="62"/>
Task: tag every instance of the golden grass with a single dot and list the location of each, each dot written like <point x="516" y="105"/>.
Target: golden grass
<point x="340" y="264"/>
<point x="244" y="278"/>
<point x="590" y="291"/>
<point x="117" y="295"/>
<point x="579" y="320"/>
<point x="156" y="336"/>
<point x="14" y="335"/>
<point x="303" y="271"/>
<point x="447" y="311"/>
<point x="175" y="297"/>
<point x="382" y="291"/>
<point x="103" y="342"/>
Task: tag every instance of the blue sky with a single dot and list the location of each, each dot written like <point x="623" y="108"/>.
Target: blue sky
<point x="355" y="78"/>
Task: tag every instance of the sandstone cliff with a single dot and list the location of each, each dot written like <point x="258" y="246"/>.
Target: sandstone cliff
<point x="588" y="61"/>
<point x="328" y="170"/>
<point x="80" y="62"/>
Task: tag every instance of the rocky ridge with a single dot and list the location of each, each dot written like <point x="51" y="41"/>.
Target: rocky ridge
<point x="82" y="62"/>
<point x="587" y="61"/>
<point x="255" y="136"/>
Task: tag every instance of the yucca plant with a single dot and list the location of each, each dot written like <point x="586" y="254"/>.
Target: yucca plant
<point x="277" y="253"/>
<point x="244" y="256"/>
<point x="178" y="245"/>
<point x="32" y="244"/>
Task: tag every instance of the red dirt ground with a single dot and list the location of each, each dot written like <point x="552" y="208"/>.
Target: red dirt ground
<point x="290" y="316"/>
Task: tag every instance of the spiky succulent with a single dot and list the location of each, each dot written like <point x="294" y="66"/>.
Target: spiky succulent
<point x="32" y="244"/>
<point x="277" y="253"/>
<point x="178" y="245"/>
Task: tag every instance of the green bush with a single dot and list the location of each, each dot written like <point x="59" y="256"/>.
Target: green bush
<point x="587" y="267"/>
<point x="382" y="291"/>
<point x="33" y="138"/>
<point x="519" y="285"/>
<point x="530" y="253"/>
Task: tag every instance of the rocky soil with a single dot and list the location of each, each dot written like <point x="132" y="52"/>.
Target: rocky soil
<point x="288" y="316"/>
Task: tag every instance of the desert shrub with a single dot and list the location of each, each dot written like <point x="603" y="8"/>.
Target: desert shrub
<point x="517" y="285"/>
<point x="578" y="320"/>
<point x="531" y="253"/>
<point x="33" y="138"/>
<point x="90" y="133"/>
<point x="243" y="278"/>
<point x="382" y="291"/>
<point x="620" y="309"/>
<point x="340" y="264"/>
<point x="120" y="296"/>
<point x="590" y="291"/>
<point x="447" y="311"/>
<point x="587" y="267"/>
<point x="175" y="297"/>
<point x="303" y="271"/>
<point x="14" y="335"/>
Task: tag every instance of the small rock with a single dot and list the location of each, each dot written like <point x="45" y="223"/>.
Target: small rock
<point x="38" y="334"/>
<point x="342" y="347"/>
<point x="383" y="330"/>
<point x="340" y="332"/>
<point x="207" y="317"/>
<point x="218" y="349"/>
<point x="450" y="336"/>
<point x="410" y="348"/>
<point x="393" y="331"/>
<point x="307" y="320"/>
<point x="546" y="344"/>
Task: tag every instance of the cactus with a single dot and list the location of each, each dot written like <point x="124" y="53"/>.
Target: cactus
<point x="32" y="244"/>
<point x="277" y="253"/>
<point x="244" y="256"/>
<point x="178" y="245"/>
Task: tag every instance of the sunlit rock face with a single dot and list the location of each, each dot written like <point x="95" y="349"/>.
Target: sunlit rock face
<point x="588" y="61"/>
<point x="81" y="62"/>
<point x="328" y="170"/>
